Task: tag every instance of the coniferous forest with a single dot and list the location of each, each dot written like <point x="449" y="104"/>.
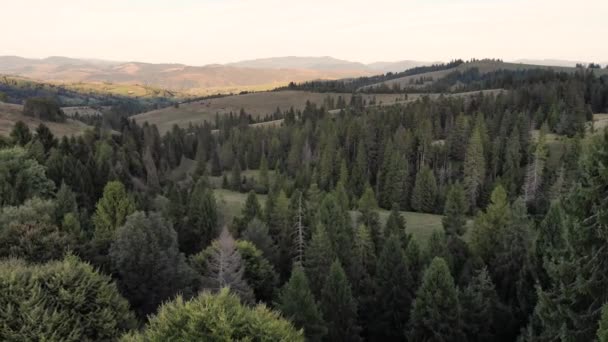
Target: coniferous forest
<point x="124" y="234"/>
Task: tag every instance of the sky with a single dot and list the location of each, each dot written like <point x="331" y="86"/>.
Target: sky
<point x="200" y="32"/>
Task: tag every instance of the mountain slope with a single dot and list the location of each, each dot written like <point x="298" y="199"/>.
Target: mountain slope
<point x="169" y="76"/>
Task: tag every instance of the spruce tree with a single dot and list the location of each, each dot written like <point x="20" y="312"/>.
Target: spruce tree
<point x="455" y="209"/>
<point x="569" y="307"/>
<point x="339" y="307"/>
<point x="298" y="304"/>
<point x="318" y="257"/>
<point x="202" y="220"/>
<point x="424" y="196"/>
<point x="435" y="313"/>
<point x="491" y="225"/>
<point x="395" y="225"/>
<point x="150" y="267"/>
<point x="474" y="168"/>
<point x="394" y="293"/>
<point x="368" y="207"/>
<point x="480" y="308"/>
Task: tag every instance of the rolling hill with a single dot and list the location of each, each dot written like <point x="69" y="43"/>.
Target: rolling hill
<point x="484" y="66"/>
<point x="11" y="113"/>
<point x="191" y="79"/>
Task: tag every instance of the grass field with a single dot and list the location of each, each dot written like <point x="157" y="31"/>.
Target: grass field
<point x="420" y="225"/>
<point x="256" y="104"/>
<point x="11" y="113"/>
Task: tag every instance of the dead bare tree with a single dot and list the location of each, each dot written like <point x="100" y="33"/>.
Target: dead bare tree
<point x="225" y="268"/>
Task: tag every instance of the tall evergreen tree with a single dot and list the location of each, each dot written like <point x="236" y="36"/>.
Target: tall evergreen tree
<point x="569" y="308"/>
<point x="474" y="168"/>
<point x="339" y="307"/>
<point x="424" y="196"/>
<point x="435" y="314"/>
<point x="298" y="304"/>
<point x="455" y="209"/>
<point x="318" y="257"/>
<point x="480" y="305"/>
<point x="368" y="207"/>
<point x="394" y="294"/>
<point x="491" y="225"/>
<point x="148" y="262"/>
<point x="395" y="225"/>
<point x="202" y="220"/>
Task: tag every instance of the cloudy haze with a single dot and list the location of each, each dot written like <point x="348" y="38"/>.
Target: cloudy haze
<point x="220" y="31"/>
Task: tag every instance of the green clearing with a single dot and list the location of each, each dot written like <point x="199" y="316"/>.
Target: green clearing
<point x="420" y="225"/>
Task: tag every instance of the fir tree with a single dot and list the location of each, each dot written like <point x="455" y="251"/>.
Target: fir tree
<point x="318" y="257"/>
<point x="424" y="196"/>
<point x="297" y="303"/>
<point x="339" y="307"/>
<point x="202" y="220"/>
<point x="394" y="294"/>
<point x="480" y="305"/>
<point x="474" y="168"/>
<point x="454" y="219"/>
<point x="395" y="225"/>
<point x="435" y="314"/>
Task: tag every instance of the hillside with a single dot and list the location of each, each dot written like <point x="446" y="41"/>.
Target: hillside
<point x="11" y="113"/>
<point x="484" y="66"/>
<point x="180" y="77"/>
<point x="256" y="104"/>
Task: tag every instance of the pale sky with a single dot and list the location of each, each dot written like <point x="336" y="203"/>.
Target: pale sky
<point x="199" y="32"/>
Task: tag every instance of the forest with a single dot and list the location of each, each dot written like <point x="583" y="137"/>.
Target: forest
<point x="110" y="236"/>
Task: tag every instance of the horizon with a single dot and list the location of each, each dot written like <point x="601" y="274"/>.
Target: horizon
<point x="212" y="31"/>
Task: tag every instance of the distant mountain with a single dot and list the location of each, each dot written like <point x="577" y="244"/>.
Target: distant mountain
<point x="327" y="63"/>
<point x="196" y="79"/>
<point x="293" y="62"/>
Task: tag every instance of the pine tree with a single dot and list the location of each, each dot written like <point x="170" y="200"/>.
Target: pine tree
<point x="474" y="168"/>
<point x="297" y="304"/>
<point x="368" y="207"/>
<point x="395" y="225"/>
<point x="202" y="220"/>
<point x="415" y="263"/>
<point x="480" y="305"/>
<point x="339" y="307"/>
<point x="454" y="219"/>
<point x="110" y="213"/>
<point x="491" y="225"/>
<point x="569" y="308"/>
<point x="424" y="196"/>
<point x="341" y="234"/>
<point x="251" y="210"/>
<point x="318" y="257"/>
<point x="394" y="294"/>
<point x="257" y="233"/>
<point x="513" y="269"/>
<point x="280" y="228"/>
<point x="435" y="314"/>
<point x="20" y="134"/>
<point x="150" y="267"/>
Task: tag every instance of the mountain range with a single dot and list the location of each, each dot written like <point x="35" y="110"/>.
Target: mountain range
<point x="256" y="74"/>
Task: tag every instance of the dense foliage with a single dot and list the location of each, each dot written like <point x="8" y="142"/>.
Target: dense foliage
<point x="308" y="217"/>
